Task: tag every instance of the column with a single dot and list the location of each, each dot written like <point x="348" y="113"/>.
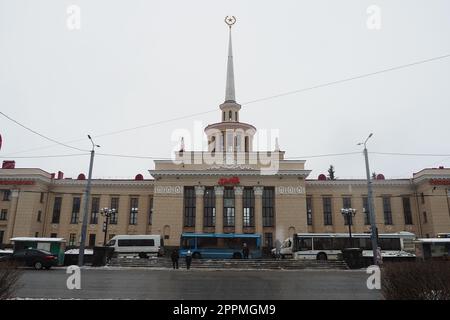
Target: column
<point x="12" y="212"/>
<point x="219" y="209"/>
<point x="199" y="192"/>
<point x="238" y="191"/>
<point x="258" y="191"/>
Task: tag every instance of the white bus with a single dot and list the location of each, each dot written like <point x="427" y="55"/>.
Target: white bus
<point x="142" y="245"/>
<point x="324" y="246"/>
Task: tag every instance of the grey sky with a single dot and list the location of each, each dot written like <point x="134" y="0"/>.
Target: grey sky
<point x="138" y="62"/>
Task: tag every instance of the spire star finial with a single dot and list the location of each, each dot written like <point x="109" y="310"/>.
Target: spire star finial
<point x="230" y="20"/>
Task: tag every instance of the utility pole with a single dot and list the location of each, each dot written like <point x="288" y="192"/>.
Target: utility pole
<point x="87" y="194"/>
<point x="374" y="231"/>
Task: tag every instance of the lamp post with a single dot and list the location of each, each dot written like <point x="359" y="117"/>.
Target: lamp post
<point x="373" y="225"/>
<point x="349" y="213"/>
<point x="86" y="205"/>
<point x="107" y="213"/>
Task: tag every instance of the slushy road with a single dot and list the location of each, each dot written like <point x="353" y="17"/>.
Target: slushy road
<point x="134" y="283"/>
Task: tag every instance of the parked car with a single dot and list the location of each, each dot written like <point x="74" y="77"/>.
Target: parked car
<point x="36" y="258"/>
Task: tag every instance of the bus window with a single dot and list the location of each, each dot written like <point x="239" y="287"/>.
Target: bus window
<point x="304" y="244"/>
<point x="207" y="243"/>
<point x="389" y="244"/>
<point x="323" y="244"/>
<point x="365" y="243"/>
<point x="187" y="243"/>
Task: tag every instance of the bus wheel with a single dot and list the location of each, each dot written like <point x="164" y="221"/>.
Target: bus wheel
<point x="322" y="256"/>
<point x="237" y="255"/>
<point x="143" y="255"/>
<point x="197" y="255"/>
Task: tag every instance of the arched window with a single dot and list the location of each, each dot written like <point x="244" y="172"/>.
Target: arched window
<point x="223" y="116"/>
<point x="236" y="116"/>
<point x="246" y="144"/>
<point x="230" y="115"/>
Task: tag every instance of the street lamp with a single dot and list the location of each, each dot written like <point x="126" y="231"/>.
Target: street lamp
<point x="87" y="194"/>
<point x="107" y="213"/>
<point x="349" y="213"/>
<point x="373" y="225"/>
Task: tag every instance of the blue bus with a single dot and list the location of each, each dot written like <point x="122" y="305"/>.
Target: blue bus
<point x="220" y="245"/>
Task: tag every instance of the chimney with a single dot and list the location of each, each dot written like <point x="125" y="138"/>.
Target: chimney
<point x="52" y="176"/>
<point x="8" y="164"/>
<point x="60" y="175"/>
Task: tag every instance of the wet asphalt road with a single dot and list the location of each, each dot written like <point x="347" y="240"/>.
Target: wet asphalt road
<point x="198" y="284"/>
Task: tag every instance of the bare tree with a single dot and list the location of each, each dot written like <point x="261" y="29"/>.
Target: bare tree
<point x="9" y="277"/>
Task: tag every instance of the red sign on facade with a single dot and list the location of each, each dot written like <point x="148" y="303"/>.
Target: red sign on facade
<point x="16" y="182"/>
<point x="440" y="182"/>
<point x="232" y="180"/>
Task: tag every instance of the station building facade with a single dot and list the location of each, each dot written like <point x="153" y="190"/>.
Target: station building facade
<point x="228" y="188"/>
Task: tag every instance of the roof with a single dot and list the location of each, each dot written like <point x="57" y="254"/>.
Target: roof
<point x="38" y="239"/>
<point x="434" y="240"/>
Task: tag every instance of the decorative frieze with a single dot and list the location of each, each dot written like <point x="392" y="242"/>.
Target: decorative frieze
<point x="169" y="189"/>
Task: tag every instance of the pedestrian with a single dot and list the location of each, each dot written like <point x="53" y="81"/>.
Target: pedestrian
<point x="277" y="249"/>
<point x="188" y="259"/>
<point x="245" y="251"/>
<point x="175" y="256"/>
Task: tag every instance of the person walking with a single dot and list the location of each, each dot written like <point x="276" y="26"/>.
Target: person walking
<point x="188" y="259"/>
<point x="245" y="251"/>
<point x="175" y="256"/>
<point x="277" y="249"/>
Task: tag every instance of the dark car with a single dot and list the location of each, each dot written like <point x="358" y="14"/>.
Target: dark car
<point x="36" y="258"/>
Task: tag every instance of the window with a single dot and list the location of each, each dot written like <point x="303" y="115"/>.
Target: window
<point x="228" y="207"/>
<point x="422" y="198"/>
<point x="387" y="210"/>
<point x="95" y="209"/>
<point x="309" y="219"/>
<point x="53" y="235"/>
<point x="425" y="218"/>
<point x="91" y="240"/>
<point x="246" y="144"/>
<point x="223" y="116"/>
<point x="347" y="203"/>
<point x="41" y="199"/>
<point x="134" y="208"/>
<point x="248" y="200"/>
<point x="136" y="243"/>
<point x="268" y="206"/>
<point x="36" y="234"/>
<point x="150" y="211"/>
<point x="189" y="206"/>
<point x="72" y="239"/>
<point x="2" y="235"/>
<point x="268" y="240"/>
<point x="366" y="211"/>
<point x="209" y="202"/>
<point x="327" y="212"/>
<point x="114" y="205"/>
<point x="3" y="214"/>
<point x="236" y="116"/>
<point x="230" y="115"/>
<point x="39" y="216"/>
<point x="407" y="210"/>
<point x="6" y="195"/>
<point x="75" y="210"/>
<point x="56" y="210"/>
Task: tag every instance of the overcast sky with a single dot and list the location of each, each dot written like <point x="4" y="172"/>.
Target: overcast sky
<point x="133" y="63"/>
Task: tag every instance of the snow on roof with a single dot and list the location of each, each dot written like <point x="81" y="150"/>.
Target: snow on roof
<point x="77" y="251"/>
<point x="5" y="251"/>
<point x="38" y="239"/>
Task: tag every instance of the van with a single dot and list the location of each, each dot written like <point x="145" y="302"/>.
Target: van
<point x="143" y="245"/>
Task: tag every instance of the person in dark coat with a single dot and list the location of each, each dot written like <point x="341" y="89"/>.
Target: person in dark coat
<point x="245" y="251"/>
<point x="188" y="259"/>
<point x="175" y="256"/>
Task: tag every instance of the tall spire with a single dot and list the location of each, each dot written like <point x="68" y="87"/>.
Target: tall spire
<point x="230" y="95"/>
